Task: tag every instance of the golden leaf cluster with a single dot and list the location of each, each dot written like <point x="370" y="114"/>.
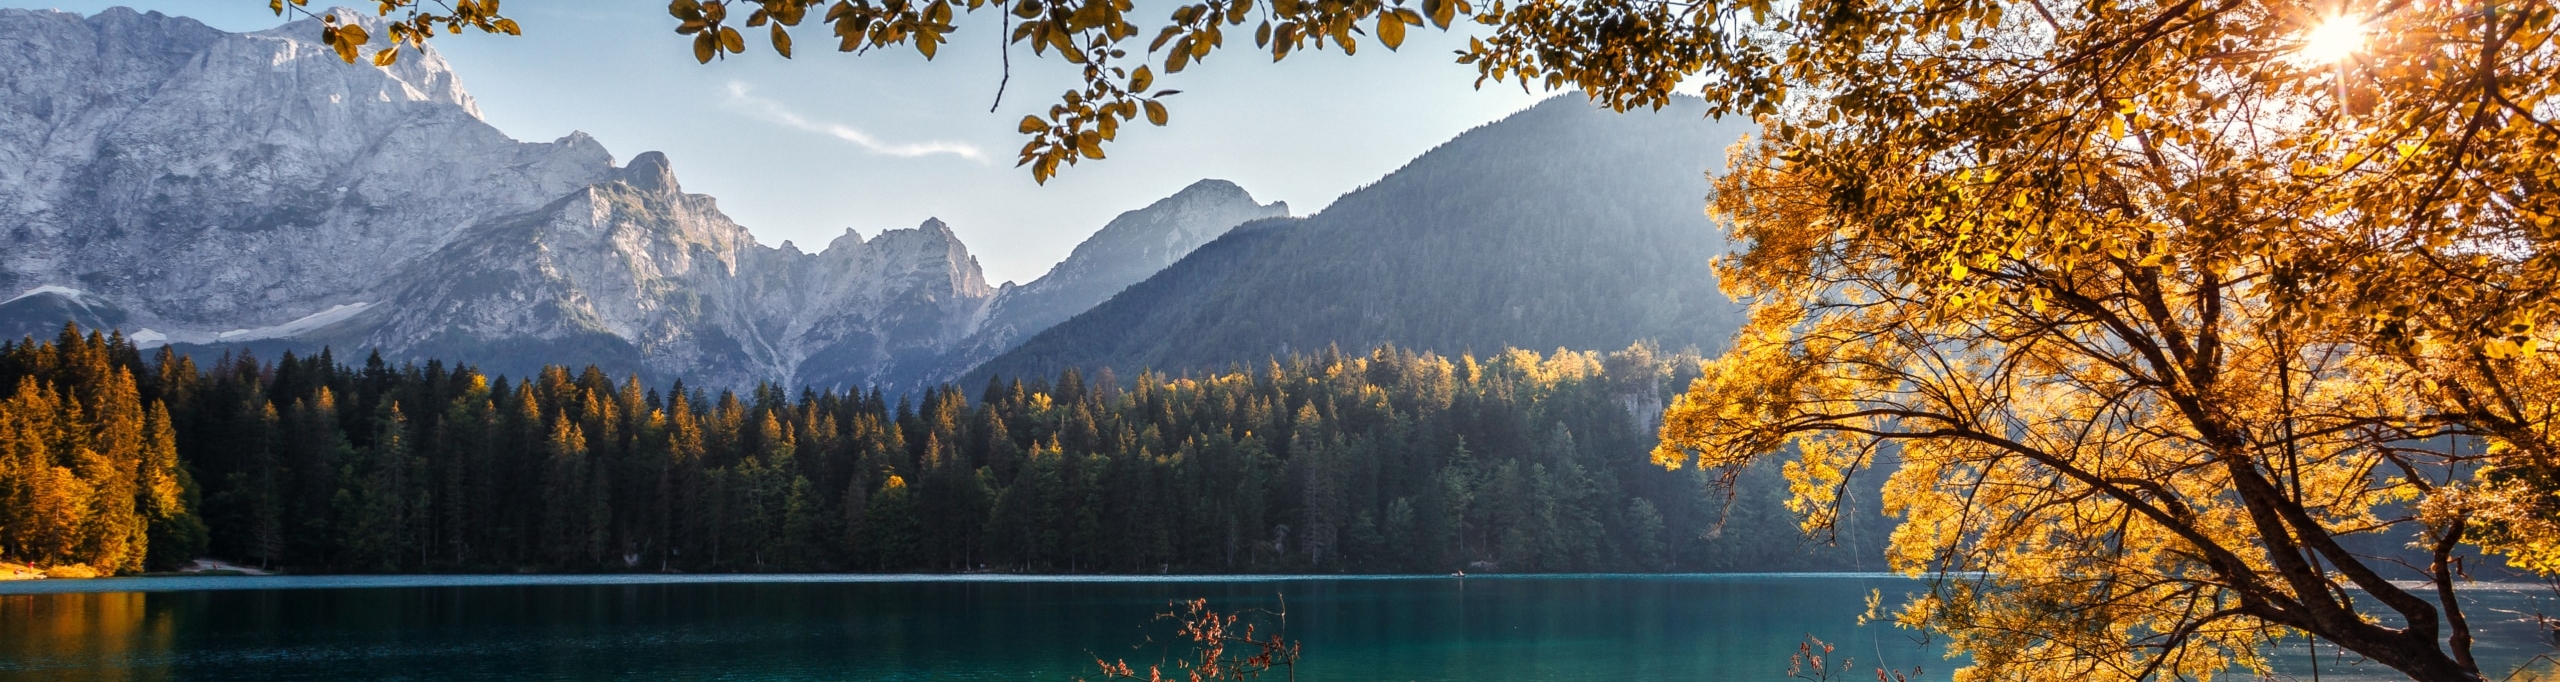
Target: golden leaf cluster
<point x="416" y="23"/>
<point x="2145" y="317"/>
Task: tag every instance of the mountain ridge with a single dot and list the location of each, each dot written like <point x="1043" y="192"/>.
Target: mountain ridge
<point x="249" y="191"/>
<point x="1130" y="248"/>
<point x="1561" y="225"/>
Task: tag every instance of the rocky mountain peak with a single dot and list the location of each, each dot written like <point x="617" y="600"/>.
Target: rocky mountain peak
<point x="1212" y="189"/>
<point x="851" y="239"/>
<point x="932" y="234"/>
<point x="931" y="252"/>
<point x="128" y="21"/>
<point x="421" y="72"/>
<point x="649" y="172"/>
<point x="936" y="228"/>
<point x="1147" y="239"/>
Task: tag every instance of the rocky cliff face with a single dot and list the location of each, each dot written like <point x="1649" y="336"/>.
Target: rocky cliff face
<point x="212" y="181"/>
<point x="634" y="273"/>
<point x="218" y="190"/>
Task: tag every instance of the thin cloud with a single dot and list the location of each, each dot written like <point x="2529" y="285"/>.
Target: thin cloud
<point x="741" y="99"/>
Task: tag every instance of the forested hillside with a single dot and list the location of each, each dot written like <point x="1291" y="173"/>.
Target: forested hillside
<point x="1563" y="225"/>
<point x="1389" y="461"/>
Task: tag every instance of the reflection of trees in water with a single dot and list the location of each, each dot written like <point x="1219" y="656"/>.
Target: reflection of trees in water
<point x="65" y="636"/>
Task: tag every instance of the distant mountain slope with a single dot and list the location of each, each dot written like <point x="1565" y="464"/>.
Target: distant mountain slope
<point x="1132" y="247"/>
<point x="1560" y="226"/>
<point x="1128" y="331"/>
<point x="41" y="313"/>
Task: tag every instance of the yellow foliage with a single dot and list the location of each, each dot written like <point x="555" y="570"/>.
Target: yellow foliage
<point x="2543" y="670"/>
<point x="2140" y="334"/>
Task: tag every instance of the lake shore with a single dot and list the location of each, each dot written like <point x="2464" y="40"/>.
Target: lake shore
<point x="12" y="572"/>
<point x="202" y="582"/>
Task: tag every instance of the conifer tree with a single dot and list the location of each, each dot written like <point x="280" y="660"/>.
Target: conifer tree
<point x="891" y="528"/>
<point x="315" y="455"/>
<point x="565" y="489"/>
<point x="48" y="506"/>
<point x="111" y="462"/>
<point x="463" y="445"/>
<point x="168" y="497"/>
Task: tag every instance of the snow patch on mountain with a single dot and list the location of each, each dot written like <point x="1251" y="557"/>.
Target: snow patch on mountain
<point x="63" y="291"/>
<point x="298" y="327"/>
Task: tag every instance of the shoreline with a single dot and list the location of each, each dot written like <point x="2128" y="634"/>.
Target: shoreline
<point x="223" y="577"/>
<point x="24" y="573"/>
<point x="192" y="583"/>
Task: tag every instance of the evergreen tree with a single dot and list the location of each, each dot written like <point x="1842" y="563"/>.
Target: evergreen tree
<point x="892" y="530"/>
<point x="566" y="522"/>
<point x="1378" y="462"/>
<point x="168" y="497"/>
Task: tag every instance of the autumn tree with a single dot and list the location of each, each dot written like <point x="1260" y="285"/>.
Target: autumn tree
<point x="2123" y="301"/>
<point x="89" y="473"/>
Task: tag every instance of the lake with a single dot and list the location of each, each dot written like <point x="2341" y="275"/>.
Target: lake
<point x="1544" y="628"/>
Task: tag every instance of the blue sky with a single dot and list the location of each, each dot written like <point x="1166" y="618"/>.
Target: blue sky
<point x="801" y="149"/>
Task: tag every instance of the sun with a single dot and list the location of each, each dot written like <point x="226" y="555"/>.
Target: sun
<point x="2334" y="39"/>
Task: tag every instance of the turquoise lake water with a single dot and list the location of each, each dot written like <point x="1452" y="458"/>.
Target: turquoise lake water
<point x="1524" y="628"/>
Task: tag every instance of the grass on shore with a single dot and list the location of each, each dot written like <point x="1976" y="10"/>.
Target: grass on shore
<point x="17" y="571"/>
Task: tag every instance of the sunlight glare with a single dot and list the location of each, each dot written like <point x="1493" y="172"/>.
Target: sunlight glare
<point x="2334" y="39"/>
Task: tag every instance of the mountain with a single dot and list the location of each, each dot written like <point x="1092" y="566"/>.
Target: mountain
<point x="208" y="181"/>
<point x="1563" y="225"/>
<point x="220" y="191"/>
<point x="635" y="274"/>
<point x="1133" y="246"/>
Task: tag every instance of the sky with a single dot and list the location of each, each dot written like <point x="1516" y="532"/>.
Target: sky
<point x="801" y="149"/>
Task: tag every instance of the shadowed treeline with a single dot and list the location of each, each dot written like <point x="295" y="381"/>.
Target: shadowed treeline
<point x="1386" y="462"/>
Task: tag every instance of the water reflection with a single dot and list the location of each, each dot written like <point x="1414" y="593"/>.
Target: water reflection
<point x="60" y="637"/>
<point x="1493" y="630"/>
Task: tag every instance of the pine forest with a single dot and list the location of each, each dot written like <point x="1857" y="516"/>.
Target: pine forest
<point x="1385" y="462"/>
